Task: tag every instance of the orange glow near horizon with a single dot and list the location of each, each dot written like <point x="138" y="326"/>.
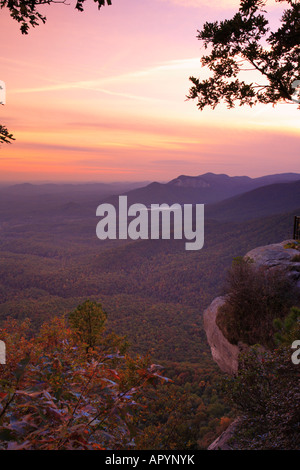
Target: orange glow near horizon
<point x="101" y="96"/>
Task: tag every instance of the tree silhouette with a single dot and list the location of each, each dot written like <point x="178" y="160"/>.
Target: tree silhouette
<point x="246" y="39"/>
<point x="26" y="13"/>
<point x="5" y="135"/>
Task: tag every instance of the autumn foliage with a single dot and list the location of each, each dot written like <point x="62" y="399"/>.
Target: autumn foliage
<point x="56" y="394"/>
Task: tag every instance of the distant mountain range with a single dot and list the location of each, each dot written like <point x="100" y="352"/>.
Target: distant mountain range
<point x="206" y="189"/>
<point x="76" y="190"/>
<point x="227" y="198"/>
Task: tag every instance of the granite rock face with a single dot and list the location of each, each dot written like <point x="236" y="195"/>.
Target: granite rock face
<point x="224" y="353"/>
<point x="275" y="255"/>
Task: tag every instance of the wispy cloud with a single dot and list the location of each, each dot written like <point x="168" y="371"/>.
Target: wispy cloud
<point x="10" y="159"/>
<point x="173" y="162"/>
<point x="83" y="85"/>
<point x="68" y="148"/>
<point x="102" y="85"/>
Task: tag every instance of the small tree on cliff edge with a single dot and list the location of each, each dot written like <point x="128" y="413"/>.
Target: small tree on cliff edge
<point x="246" y="40"/>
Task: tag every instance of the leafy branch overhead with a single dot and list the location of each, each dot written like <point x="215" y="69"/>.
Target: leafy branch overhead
<point x="26" y="13"/>
<point x="246" y="40"/>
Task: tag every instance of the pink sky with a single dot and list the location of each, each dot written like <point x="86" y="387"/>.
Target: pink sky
<point x="100" y="96"/>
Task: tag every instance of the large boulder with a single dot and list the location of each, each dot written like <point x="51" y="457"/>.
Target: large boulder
<point x="275" y="255"/>
<point x="278" y="256"/>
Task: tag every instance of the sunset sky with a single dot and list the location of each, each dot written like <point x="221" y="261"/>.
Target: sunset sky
<point x="101" y="96"/>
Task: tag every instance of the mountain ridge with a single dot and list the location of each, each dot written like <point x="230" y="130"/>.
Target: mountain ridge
<point x="265" y="200"/>
<point x="208" y="188"/>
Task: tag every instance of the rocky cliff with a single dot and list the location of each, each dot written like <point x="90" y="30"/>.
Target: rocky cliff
<point x="284" y="255"/>
<point x="224" y="353"/>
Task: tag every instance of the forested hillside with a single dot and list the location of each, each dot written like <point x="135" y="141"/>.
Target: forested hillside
<point x="154" y="293"/>
<point x="153" y="290"/>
